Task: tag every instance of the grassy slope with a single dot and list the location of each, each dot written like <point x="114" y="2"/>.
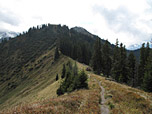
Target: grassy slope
<point x="45" y="100"/>
<point x="123" y="99"/>
<point x="120" y="98"/>
<point x="39" y="83"/>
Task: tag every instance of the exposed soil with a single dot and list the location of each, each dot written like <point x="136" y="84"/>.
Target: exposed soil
<point x="104" y="108"/>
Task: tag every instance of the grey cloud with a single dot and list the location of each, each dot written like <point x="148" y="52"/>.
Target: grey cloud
<point x="9" y="18"/>
<point x="3" y="29"/>
<point x="121" y="20"/>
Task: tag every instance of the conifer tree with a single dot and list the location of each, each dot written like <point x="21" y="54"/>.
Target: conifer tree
<point x="106" y="59"/>
<point x="115" y="62"/>
<point x="136" y="74"/>
<point x="63" y="71"/>
<point x="75" y="69"/>
<point x="123" y="76"/>
<point x="97" y="57"/>
<point x="68" y="80"/>
<point x="147" y="51"/>
<point x="82" y="80"/>
<point x="119" y="68"/>
<point x="72" y="80"/>
<point x="147" y="80"/>
<point x="56" y="54"/>
<point x="141" y="68"/>
<point x="57" y="77"/>
<point x="131" y="69"/>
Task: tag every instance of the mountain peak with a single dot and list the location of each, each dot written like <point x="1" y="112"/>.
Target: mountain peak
<point x="82" y="31"/>
<point x="7" y="35"/>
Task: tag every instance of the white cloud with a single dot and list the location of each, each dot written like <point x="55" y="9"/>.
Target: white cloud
<point x="128" y="20"/>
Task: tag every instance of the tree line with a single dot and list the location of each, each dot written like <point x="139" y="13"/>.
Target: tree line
<point x="121" y="67"/>
<point x="112" y="61"/>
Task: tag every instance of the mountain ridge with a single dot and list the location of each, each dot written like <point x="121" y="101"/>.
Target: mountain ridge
<point x="28" y="71"/>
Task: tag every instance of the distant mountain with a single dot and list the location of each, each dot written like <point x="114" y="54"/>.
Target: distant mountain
<point x="136" y="53"/>
<point x="7" y="35"/>
<point x="134" y="47"/>
<point x="138" y="46"/>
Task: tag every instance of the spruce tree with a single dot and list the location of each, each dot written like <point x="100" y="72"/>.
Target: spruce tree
<point x="96" y="61"/>
<point x="147" y="52"/>
<point x="82" y="80"/>
<point x="141" y="68"/>
<point x="59" y="91"/>
<point x="72" y="80"/>
<point x="131" y="69"/>
<point x="85" y="54"/>
<point x="68" y="80"/>
<point x="147" y="80"/>
<point x="123" y="76"/>
<point x="115" y="62"/>
<point x="57" y="77"/>
<point x="119" y="67"/>
<point x="136" y="74"/>
<point x="56" y="54"/>
<point x="63" y="71"/>
<point x="106" y="59"/>
<point x="75" y="69"/>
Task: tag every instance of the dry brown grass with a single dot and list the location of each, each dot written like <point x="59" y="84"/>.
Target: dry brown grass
<point x="126" y="100"/>
<point x="81" y="101"/>
<point x="121" y="99"/>
<point x="39" y="83"/>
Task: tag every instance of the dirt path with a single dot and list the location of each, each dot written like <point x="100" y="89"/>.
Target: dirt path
<point x="104" y="108"/>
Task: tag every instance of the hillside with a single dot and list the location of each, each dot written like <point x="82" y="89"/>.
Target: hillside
<point x="40" y="74"/>
<point x="45" y="99"/>
<point x="21" y="58"/>
<point x="119" y="99"/>
<point x="27" y="66"/>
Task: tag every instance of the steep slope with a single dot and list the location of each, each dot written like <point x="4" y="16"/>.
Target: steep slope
<point x="26" y="48"/>
<point x="38" y="81"/>
<point x="41" y="97"/>
<point x="26" y="61"/>
<point x="119" y="98"/>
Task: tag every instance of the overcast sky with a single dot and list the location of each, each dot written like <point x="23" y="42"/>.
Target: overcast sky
<point x="128" y="20"/>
